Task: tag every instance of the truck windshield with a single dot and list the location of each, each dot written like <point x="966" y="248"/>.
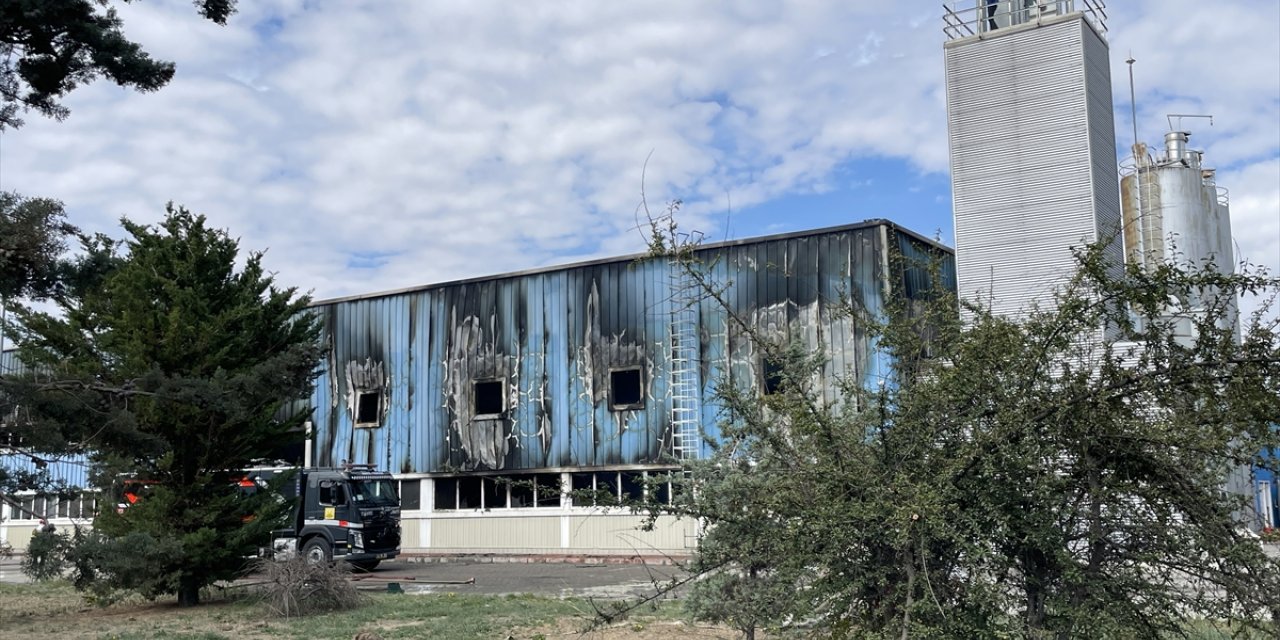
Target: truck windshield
<point x="380" y="493"/>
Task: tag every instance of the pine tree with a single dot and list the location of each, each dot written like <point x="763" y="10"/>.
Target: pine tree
<point x="173" y="364"/>
<point x="33" y="233"/>
<point x="48" y="48"/>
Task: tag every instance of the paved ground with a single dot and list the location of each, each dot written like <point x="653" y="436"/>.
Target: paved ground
<point x="543" y="578"/>
<point x="9" y="571"/>
<point x="556" y="579"/>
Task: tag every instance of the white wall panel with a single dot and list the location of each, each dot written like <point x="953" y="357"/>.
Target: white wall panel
<point x="1032" y="146"/>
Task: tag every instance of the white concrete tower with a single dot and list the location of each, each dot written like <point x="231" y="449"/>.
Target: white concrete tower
<point x="1032" y="142"/>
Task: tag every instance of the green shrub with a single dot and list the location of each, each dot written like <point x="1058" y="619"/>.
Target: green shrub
<point x="109" y="568"/>
<point x="46" y="556"/>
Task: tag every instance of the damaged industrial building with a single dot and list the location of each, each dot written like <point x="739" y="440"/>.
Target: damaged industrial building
<point x="497" y="400"/>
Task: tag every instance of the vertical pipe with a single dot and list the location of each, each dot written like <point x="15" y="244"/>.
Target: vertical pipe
<point x="1139" y="218"/>
<point x="4" y="324"/>
<point x="1133" y="109"/>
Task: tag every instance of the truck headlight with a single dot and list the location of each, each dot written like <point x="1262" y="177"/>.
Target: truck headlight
<point x="357" y="540"/>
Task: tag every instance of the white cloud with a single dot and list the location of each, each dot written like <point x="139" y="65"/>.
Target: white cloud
<point x="1255" y="220"/>
<point x="374" y="145"/>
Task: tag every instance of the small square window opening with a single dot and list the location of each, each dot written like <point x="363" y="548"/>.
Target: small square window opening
<point x="487" y="396"/>
<point x="626" y="389"/>
<point x="548" y="485"/>
<point x="772" y="376"/>
<point x="522" y="491"/>
<point x="633" y="487"/>
<point x="469" y="493"/>
<point x="410" y="495"/>
<point x="446" y="490"/>
<point x="581" y="487"/>
<point x="495" y="493"/>
<point x="368" y="408"/>
<point x="607" y="488"/>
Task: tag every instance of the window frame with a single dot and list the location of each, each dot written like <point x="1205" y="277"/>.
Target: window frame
<point x="416" y="483"/>
<point x="475" y="399"/>
<point x="472" y="487"/>
<point x="438" y="494"/>
<point x="771" y="376"/>
<point x="542" y="492"/>
<point x="614" y="405"/>
<point x="550" y="490"/>
<point x="335" y="488"/>
<point x="357" y="414"/>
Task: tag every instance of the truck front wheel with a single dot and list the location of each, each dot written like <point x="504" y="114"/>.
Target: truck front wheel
<point x="317" y="551"/>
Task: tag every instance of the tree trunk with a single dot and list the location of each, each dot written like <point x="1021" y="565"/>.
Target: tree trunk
<point x="188" y="592"/>
<point x="1034" y="573"/>
<point x="911" y="592"/>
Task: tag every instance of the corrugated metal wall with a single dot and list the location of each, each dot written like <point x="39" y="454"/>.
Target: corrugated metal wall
<point x="551" y="337"/>
<point x="1033" y="157"/>
<point x="9" y="363"/>
<point x="1108" y="214"/>
<point x="70" y="471"/>
<point x="64" y="470"/>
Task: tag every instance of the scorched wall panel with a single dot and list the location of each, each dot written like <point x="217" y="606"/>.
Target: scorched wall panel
<point x="548" y="342"/>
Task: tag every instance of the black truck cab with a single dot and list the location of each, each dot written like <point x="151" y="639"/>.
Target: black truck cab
<point x="350" y="513"/>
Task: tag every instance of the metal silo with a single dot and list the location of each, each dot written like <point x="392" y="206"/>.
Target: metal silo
<point x="1175" y="213"/>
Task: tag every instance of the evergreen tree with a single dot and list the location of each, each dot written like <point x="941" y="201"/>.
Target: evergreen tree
<point x="50" y="47"/>
<point x="33" y="235"/>
<point x="174" y="365"/>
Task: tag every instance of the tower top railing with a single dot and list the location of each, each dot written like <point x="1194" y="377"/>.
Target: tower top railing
<point x="967" y="18"/>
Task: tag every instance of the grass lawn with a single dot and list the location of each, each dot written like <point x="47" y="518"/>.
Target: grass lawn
<point x="54" y="610"/>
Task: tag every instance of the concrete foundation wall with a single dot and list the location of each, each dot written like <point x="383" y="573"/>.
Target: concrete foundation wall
<point x="541" y="534"/>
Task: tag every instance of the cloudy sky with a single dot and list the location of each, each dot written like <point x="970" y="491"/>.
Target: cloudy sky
<point x="371" y="145"/>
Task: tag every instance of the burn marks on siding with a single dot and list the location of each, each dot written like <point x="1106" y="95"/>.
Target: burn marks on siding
<point x="479" y="423"/>
<point x="367" y="401"/>
<point x="798" y="289"/>
<point x="367" y="385"/>
<point x="553" y="340"/>
<point x="601" y="352"/>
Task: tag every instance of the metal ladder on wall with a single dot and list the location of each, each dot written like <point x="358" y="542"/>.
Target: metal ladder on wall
<point x="686" y="388"/>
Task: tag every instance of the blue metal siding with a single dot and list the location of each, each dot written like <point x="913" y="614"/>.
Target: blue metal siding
<point x="9" y="362"/>
<point x="1262" y="474"/>
<point x="552" y="337"/>
<point x="70" y="470"/>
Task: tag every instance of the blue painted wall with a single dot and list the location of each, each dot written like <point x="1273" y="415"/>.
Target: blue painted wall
<point x="551" y="338"/>
<point x="65" y="471"/>
<point x="1261" y="475"/>
<point x="70" y="471"/>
